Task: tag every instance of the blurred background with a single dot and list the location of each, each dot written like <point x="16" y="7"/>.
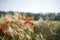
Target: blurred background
<point x="34" y="6"/>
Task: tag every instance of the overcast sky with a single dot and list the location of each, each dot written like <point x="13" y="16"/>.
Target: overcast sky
<point x="30" y="5"/>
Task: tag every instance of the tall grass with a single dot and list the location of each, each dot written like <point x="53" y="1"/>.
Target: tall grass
<point x="16" y="29"/>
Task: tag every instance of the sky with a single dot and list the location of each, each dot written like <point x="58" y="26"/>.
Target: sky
<point x="34" y="6"/>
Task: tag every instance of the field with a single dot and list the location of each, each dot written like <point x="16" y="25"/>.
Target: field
<point x="18" y="27"/>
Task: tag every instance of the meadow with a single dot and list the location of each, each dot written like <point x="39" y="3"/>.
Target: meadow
<point x="19" y="27"/>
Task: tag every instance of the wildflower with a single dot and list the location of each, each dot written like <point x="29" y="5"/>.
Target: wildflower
<point x="26" y="22"/>
<point x="22" y="18"/>
<point x="7" y="21"/>
<point x="29" y="18"/>
<point x="1" y="27"/>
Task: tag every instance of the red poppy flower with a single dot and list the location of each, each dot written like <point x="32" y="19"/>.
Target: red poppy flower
<point x="26" y="22"/>
<point x="29" y="18"/>
<point x="1" y="27"/>
<point x="7" y="21"/>
<point x="22" y="18"/>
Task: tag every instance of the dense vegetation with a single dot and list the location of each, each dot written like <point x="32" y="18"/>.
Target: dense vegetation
<point x="22" y="26"/>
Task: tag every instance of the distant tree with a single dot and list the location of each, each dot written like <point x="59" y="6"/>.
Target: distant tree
<point x="50" y="16"/>
<point x="57" y="17"/>
<point x="10" y="12"/>
<point x="36" y="16"/>
<point x="2" y="13"/>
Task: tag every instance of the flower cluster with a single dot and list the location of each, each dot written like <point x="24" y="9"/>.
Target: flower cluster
<point x="19" y="27"/>
<point x="27" y="21"/>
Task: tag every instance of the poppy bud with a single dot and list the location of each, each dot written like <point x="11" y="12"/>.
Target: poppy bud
<point x="7" y="21"/>
<point x="6" y="32"/>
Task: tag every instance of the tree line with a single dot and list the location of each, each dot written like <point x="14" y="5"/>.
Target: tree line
<point x="36" y="16"/>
